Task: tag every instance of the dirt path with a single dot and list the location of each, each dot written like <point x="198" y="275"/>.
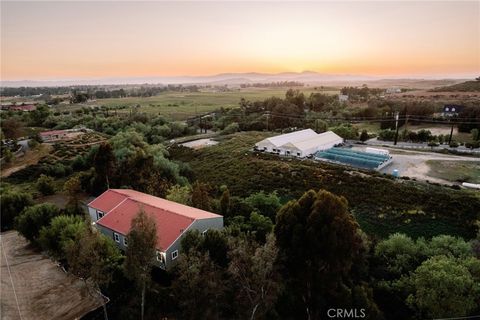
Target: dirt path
<point x="33" y="287"/>
<point x="30" y="157"/>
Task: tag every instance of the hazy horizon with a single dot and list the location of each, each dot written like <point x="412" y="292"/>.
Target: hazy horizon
<point x="80" y="41"/>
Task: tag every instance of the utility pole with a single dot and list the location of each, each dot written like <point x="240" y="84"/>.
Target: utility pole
<point x="396" y="128"/>
<point x="451" y="134"/>
<point x="405" y="130"/>
<point x="268" y="116"/>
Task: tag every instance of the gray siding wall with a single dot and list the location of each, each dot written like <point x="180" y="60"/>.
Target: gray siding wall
<point x="93" y="213"/>
<point x="200" y="225"/>
<point x="109" y="233"/>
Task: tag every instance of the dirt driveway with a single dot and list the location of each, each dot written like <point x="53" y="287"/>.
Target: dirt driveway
<point x="33" y="287"/>
<point x="414" y="164"/>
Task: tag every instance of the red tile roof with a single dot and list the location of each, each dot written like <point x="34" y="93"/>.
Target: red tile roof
<point x="122" y="205"/>
<point x="107" y="201"/>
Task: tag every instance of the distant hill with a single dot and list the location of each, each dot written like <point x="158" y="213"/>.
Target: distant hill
<point x="306" y="77"/>
<point x="464" y="87"/>
<point x="218" y="79"/>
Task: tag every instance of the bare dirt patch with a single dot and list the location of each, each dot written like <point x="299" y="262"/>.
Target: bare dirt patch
<point x="33" y="287"/>
<point x="198" y="144"/>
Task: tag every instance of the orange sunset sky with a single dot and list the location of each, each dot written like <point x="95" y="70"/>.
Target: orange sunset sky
<point x="74" y="40"/>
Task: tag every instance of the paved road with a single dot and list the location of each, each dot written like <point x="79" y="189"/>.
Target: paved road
<point x="421" y="145"/>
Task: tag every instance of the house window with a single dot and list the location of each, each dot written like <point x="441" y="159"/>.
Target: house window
<point x="288" y="152"/>
<point x="204" y="232"/>
<point x="125" y="241"/>
<point x="298" y="154"/>
<point x="100" y="214"/>
<point x="116" y="237"/>
<point x="174" y="254"/>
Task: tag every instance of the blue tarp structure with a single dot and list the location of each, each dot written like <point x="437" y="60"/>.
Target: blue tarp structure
<point x="353" y="158"/>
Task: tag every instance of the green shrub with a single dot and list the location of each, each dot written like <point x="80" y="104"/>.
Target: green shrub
<point x="32" y="219"/>
<point x="454" y="144"/>
<point x="63" y="229"/>
<point x="231" y="128"/>
<point x="12" y="203"/>
<point x="45" y="185"/>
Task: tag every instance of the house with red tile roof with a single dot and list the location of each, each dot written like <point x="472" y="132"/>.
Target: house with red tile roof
<point x="24" y="107"/>
<point x="113" y="211"/>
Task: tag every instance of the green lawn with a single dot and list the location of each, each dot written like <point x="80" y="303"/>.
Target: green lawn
<point x="461" y="171"/>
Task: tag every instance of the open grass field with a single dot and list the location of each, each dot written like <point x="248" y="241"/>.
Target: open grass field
<point x="381" y="204"/>
<point x="461" y="171"/>
<point x="33" y="287"/>
<point x="181" y="105"/>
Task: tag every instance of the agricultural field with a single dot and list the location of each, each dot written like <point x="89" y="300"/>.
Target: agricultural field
<point x="181" y="105"/>
<point x="381" y="204"/>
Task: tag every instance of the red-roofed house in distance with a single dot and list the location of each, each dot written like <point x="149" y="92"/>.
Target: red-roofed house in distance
<point x="58" y="135"/>
<point x="24" y="107"/>
<point x="113" y="211"/>
<point x="19" y="107"/>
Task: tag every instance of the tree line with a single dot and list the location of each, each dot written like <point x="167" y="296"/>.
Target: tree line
<point x="313" y="259"/>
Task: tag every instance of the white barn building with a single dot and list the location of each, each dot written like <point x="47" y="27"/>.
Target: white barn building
<point x="320" y="142"/>
<point x="273" y="144"/>
<point x="300" y="143"/>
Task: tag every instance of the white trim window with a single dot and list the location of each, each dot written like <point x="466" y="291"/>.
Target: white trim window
<point x="174" y="254"/>
<point x="100" y="214"/>
<point x="125" y="241"/>
<point x="116" y="237"/>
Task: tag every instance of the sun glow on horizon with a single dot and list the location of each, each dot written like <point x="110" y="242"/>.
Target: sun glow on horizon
<point x="51" y="40"/>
